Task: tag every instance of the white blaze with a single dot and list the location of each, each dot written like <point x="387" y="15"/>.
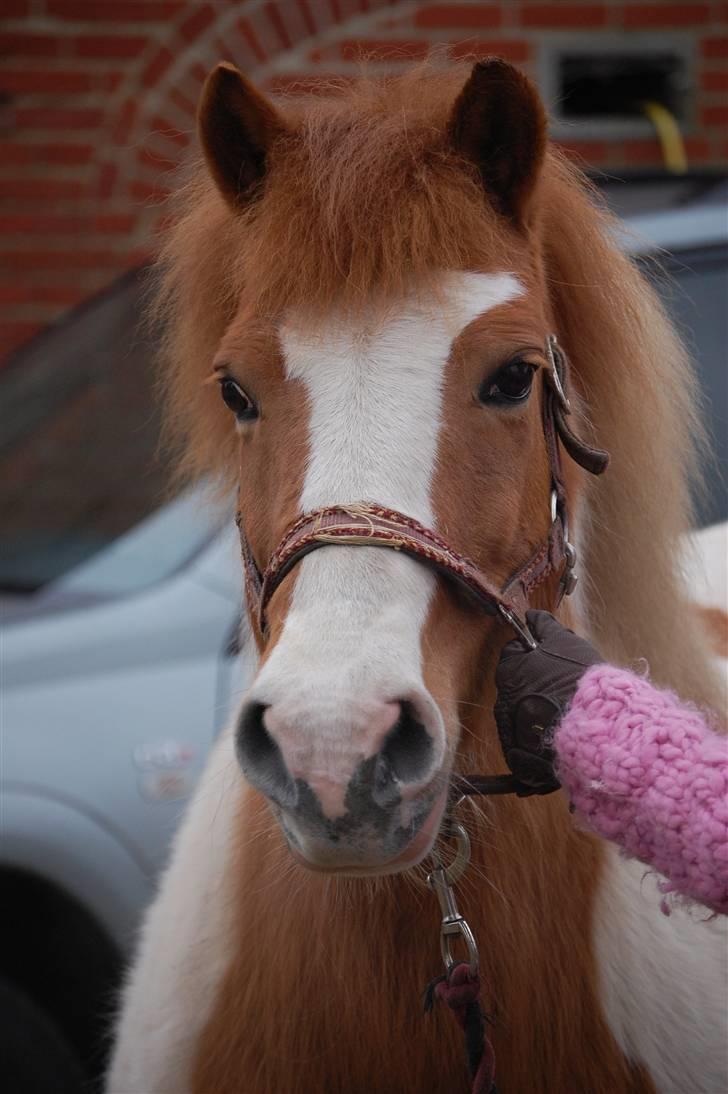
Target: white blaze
<point x="375" y="391"/>
<point x="352" y="633"/>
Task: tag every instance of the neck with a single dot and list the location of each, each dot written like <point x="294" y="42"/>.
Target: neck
<point x="367" y="947"/>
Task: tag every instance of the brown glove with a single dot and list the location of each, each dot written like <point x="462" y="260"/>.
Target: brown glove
<point x="534" y="689"/>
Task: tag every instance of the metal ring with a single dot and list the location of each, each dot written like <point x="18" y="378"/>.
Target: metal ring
<point x="460" y="927"/>
<point x="559" y="510"/>
<point x="459" y="864"/>
<point x="552" y="350"/>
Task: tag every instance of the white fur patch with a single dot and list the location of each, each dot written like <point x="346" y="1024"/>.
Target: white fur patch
<point x="353" y="630"/>
<point x="375" y="393"/>
<point x="184" y="947"/>
<point x="664" y="980"/>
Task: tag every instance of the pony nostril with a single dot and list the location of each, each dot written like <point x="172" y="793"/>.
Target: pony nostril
<point x="408" y="747"/>
<point x="261" y="758"/>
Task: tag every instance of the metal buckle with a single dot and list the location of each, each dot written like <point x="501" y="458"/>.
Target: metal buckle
<point x="519" y="626"/>
<point x="568" y="578"/>
<point x="552" y="349"/>
<point x="453" y="925"/>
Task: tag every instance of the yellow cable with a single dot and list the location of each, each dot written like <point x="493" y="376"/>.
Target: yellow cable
<point x="669" y="136"/>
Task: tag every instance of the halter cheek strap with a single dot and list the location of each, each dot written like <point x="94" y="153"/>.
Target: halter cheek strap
<point x="371" y="525"/>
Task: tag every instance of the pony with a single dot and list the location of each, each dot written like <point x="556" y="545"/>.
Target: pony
<point x="356" y="296"/>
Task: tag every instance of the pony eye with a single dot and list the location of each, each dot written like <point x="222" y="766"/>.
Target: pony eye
<point x="236" y="400"/>
<point x="510" y="384"/>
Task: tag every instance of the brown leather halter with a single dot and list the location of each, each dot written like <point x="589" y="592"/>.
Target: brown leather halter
<point x="366" y="524"/>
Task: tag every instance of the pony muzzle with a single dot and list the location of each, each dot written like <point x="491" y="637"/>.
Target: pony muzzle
<point x="364" y="797"/>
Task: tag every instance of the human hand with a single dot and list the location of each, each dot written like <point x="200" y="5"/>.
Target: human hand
<point x="535" y="687"/>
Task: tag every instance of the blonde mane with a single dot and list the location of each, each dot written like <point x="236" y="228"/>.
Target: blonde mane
<point x="364" y="195"/>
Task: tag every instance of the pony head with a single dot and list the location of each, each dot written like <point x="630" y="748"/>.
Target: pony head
<point x="365" y="281"/>
<point x="419" y="397"/>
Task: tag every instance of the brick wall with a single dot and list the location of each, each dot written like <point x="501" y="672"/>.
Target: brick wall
<point x="97" y="103"/>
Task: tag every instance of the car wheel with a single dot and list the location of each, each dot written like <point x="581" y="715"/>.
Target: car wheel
<point x="36" y="1059"/>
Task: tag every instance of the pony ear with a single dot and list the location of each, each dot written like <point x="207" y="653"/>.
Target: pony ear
<point x="498" y="123"/>
<point x="236" y="125"/>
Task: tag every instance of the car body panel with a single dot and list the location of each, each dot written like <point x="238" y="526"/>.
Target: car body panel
<point x="64" y="841"/>
<point x="109" y="712"/>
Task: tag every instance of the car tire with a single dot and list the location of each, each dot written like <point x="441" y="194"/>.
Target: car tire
<point x="35" y="1057"/>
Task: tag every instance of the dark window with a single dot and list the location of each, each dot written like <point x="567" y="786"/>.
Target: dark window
<point x="615" y="85"/>
<point x="79" y="438"/>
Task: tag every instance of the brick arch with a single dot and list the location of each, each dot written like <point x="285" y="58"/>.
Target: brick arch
<point x="276" y="44"/>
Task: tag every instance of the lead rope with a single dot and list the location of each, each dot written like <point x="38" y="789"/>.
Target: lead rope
<point x="459" y="985"/>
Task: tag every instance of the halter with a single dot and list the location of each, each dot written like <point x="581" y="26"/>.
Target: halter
<point x="370" y="525"/>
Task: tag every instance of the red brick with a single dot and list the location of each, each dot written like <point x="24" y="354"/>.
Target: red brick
<point x="75" y="258"/>
<point x="147" y="157"/>
<point x="165" y="129"/>
<point x="28" y="45"/>
<point x="353" y="49"/>
<point x="564" y="15"/>
<point x="715" y="115"/>
<point x="308" y="18"/>
<point x="276" y="20"/>
<point x="69" y="155"/>
<point x="117" y="46"/>
<point x="714" y="81"/>
<point x="450" y="16"/>
<point x="50" y="118"/>
<point x="138" y="256"/>
<point x="106" y="181"/>
<point x="64" y="295"/>
<point x="157" y="66"/>
<point x="182" y="103"/>
<point x="124" y="122"/>
<point x="665" y="15"/>
<point x="145" y="192"/>
<point x="193" y="26"/>
<point x="252" y="40"/>
<point x="116" y="11"/>
<point x="15" y="9"/>
<point x="517" y="50"/>
<point x="14" y="334"/>
<point x="58" y="225"/>
<point x="39" y="190"/>
<point x="199" y="71"/>
<point x="585" y="152"/>
<point x="648" y="151"/>
<point x="697" y="149"/>
<point x="46" y="82"/>
<point x="714" y="47"/>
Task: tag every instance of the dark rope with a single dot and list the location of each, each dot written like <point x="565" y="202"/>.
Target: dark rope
<point x="461" y="991"/>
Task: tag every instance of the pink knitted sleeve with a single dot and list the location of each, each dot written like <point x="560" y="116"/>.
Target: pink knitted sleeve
<point x="646" y="771"/>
